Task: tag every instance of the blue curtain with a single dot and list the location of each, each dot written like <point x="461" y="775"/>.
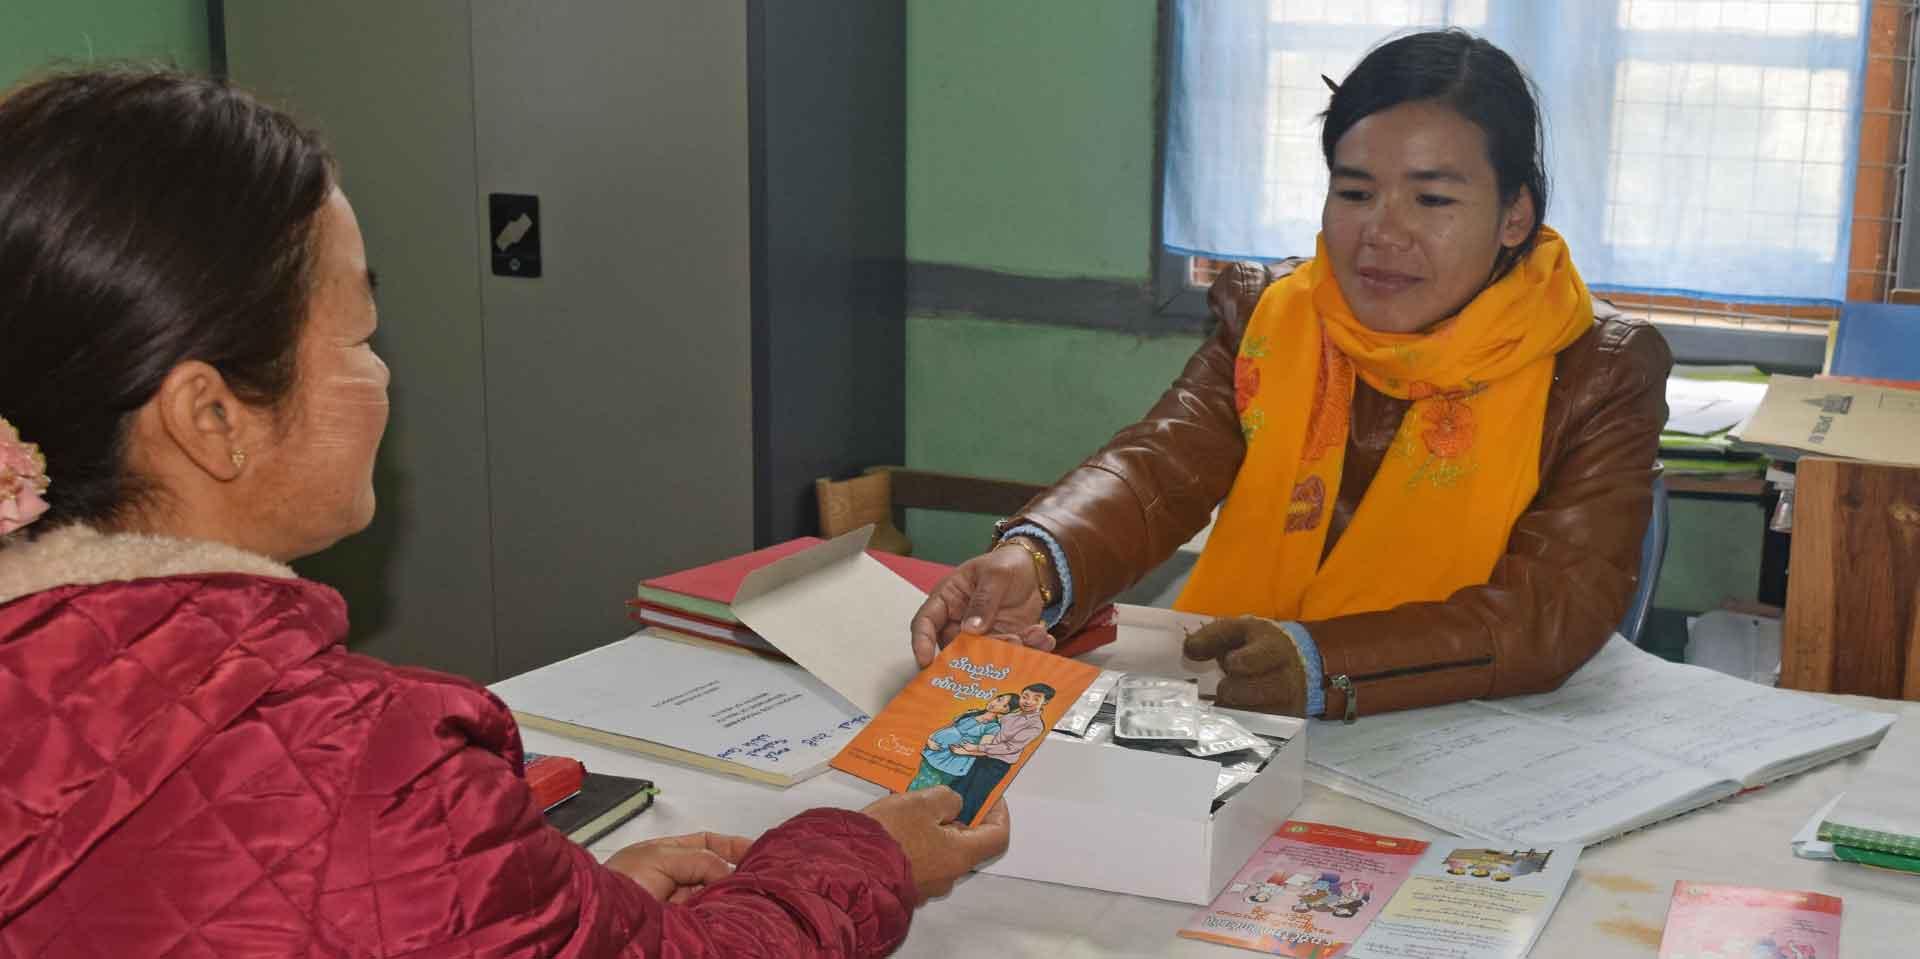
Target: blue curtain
<point x="1702" y="147"/>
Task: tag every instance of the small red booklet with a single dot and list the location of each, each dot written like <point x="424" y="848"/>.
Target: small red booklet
<point x="967" y="722"/>
<point x="1707" y="920"/>
<point x="553" y="779"/>
<point x="719" y="582"/>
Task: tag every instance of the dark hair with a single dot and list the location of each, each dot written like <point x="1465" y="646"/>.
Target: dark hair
<point x="1041" y="688"/>
<point x="1480" y="82"/>
<point x="147" y="218"/>
<point x="982" y="711"/>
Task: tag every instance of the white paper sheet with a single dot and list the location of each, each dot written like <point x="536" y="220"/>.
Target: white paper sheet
<point x="1806" y="842"/>
<point x="1706" y="407"/>
<point x="839" y="614"/>
<point x="1885" y="796"/>
<point x="763" y="714"/>
<point x="1465" y="901"/>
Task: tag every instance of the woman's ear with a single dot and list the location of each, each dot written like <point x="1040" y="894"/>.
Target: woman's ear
<point x="1516" y="222"/>
<point x="201" y="418"/>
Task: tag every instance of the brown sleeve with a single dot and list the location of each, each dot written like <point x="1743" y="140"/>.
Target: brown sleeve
<point x="1126" y="509"/>
<point x="1571" y="564"/>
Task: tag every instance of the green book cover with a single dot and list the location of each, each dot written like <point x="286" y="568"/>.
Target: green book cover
<point x="1870" y="839"/>
<point x="694" y="605"/>
<point x="1869" y="857"/>
<point x="1686" y="466"/>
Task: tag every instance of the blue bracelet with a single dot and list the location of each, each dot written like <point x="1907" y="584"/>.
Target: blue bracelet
<point x="1310" y="658"/>
<point x="1052" y="615"/>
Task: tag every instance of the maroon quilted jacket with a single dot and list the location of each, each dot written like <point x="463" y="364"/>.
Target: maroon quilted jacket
<point x="191" y="765"/>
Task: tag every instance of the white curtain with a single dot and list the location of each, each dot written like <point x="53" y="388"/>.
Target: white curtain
<point x="1693" y="146"/>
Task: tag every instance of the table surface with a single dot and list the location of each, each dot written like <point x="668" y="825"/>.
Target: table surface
<point x="1614" y="907"/>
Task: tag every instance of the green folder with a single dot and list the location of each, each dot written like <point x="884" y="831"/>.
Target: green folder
<point x="1870" y="857"/>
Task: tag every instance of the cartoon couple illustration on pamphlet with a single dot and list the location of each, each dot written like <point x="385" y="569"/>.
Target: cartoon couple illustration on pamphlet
<point x="971" y="754"/>
<point x="969" y="721"/>
<point x="1324" y="892"/>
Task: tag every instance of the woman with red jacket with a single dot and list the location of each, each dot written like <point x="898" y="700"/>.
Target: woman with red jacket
<point x="191" y="762"/>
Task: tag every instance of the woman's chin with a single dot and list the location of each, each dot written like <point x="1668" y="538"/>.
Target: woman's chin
<point x="350" y="527"/>
<point x="1394" y="315"/>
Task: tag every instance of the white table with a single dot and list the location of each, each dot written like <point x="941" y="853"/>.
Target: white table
<point x="1615" y="906"/>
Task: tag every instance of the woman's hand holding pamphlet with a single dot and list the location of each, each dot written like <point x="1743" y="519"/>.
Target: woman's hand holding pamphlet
<point x="968" y="722"/>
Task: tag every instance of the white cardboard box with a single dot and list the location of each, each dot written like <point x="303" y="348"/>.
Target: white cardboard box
<point x="1084" y="814"/>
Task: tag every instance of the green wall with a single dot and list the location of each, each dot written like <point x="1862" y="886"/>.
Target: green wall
<point x="42" y="33"/>
<point x="1030" y="136"/>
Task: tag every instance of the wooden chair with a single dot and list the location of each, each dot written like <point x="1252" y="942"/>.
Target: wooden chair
<point x="881" y="494"/>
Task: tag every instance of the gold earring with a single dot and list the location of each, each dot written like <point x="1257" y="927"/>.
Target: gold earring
<point x="239" y="459"/>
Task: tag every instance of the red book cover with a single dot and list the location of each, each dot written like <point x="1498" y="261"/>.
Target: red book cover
<point x="553" y="779"/>
<point x="718" y="582"/>
<point x="1101" y="628"/>
<point x="656" y="614"/>
<point x="1872" y="381"/>
<point x="715" y="584"/>
<point x="1708" y="921"/>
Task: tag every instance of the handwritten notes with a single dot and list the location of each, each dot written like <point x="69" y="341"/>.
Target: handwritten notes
<point x="1628" y="740"/>
<point x="1697" y="717"/>
<point x="1478" y="771"/>
<point x="766" y="715"/>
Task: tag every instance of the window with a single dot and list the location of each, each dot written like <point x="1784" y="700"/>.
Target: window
<point x="1728" y="167"/>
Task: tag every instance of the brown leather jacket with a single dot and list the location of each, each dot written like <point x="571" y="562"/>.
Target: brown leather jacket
<point x="1571" y="564"/>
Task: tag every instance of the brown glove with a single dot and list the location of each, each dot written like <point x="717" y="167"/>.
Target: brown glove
<point x="1264" y="671"/>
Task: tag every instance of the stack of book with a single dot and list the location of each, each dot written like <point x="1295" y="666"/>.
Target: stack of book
<point x="1705" y="403"/>
<point x="584" y="805"/>
<point x="1875" y="822"/>
<point x="698" y="603"/>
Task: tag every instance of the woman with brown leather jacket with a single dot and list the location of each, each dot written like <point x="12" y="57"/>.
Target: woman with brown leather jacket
<point x="1432" y="449"/>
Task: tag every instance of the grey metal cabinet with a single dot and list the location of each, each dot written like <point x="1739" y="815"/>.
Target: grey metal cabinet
<point x="719" y="313"/>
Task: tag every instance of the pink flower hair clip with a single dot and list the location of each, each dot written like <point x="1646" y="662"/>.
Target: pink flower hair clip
<point x="23" y="480"/>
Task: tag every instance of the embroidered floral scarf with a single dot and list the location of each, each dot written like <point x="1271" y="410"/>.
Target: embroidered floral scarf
<point x="1463" y="467"/>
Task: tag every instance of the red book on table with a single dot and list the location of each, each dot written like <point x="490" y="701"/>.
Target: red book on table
<point x="705" y="594"/>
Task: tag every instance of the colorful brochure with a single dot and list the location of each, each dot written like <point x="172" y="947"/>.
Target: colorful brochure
<point x="1467" y="900"/>
<point x="1308" y="892"/>
<point x="1709" y="920"/>
<point x="968" y="722"/>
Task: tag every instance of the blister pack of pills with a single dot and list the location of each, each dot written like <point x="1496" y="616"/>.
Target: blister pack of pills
<point x="1086" y="709"/>
<point x="1149" y="707"/>
<point x="1218" y="735"/>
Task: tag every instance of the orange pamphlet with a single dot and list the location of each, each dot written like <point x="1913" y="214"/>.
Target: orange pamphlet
<point x="967" y="722"/>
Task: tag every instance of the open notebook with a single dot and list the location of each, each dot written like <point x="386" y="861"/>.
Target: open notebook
<point x="1629" y="740"/>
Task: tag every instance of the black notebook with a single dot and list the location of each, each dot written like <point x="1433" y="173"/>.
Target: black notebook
<point x="601" y="805"/>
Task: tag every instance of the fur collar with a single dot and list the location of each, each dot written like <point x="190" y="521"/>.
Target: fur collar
<point x="81" y="556"/>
